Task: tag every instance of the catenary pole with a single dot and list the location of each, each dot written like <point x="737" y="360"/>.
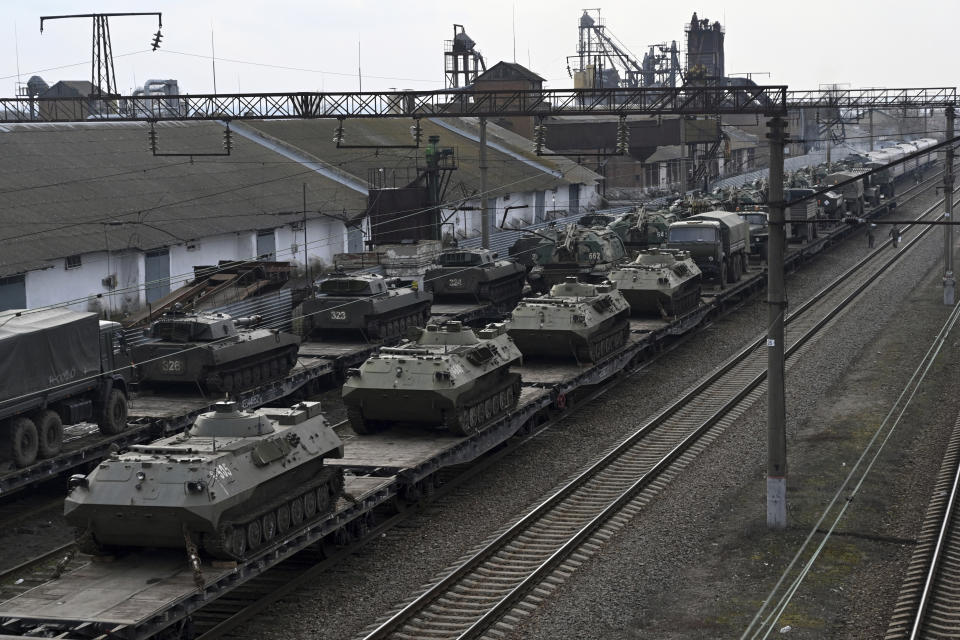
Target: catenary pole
<point x="949" y="283"/>
<point x="776" y="305"/>
<point x="484" y="211"/>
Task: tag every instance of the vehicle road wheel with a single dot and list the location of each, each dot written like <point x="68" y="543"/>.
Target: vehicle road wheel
<point x="254" y="534"/>
<point x="49" y="433"/>
<point x="283" y="519"/>
<point x="296" y="511"/>
<point x="21" y="443"/>
<point x="309" y="505"/>
<point x="113" y="417"/>
<point x="268" y="524"/>
<point x="238" y="542"/>
<point x="723" y="274"/>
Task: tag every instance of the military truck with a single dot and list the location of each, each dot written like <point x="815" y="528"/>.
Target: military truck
<point x="366" y="304"/>
<point x="231" y="484"/>
<point x="214" y="350"/>
<point x="475" y="275"/>
<point x="759" y="222"/>
<point x="717" y="242"/>
<point x="448" y="376"/>
<point x="801" y="217"/>
<point x="58" y="367"/>
<point x="852" y="193"/>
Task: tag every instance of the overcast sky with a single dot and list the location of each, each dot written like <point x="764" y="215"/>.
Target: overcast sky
<point x="288" y="45"/>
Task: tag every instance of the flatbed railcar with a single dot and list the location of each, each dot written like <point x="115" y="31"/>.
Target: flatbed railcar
<point x="138" y="595"/>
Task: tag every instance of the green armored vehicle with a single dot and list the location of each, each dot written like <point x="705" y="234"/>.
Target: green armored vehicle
<point x="583" y="252"/>
<point x="665" y="282"/>
<point x="214" y="350"/>
<point x="449" y="376"/>
<point x="475" y="275"/>
<point x="641" y="229"/>
<point x="587" y="321"/>
<point x="233" y="482"/>
<point x="371" y="305"/>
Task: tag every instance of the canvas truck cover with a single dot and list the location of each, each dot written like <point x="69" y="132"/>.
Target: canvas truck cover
<point x="42" y="349"/>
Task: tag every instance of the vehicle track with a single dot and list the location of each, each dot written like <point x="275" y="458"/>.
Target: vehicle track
<point x="256" y="596"/>
<point x="496" y="585"/>
<point x="929" y="601"/>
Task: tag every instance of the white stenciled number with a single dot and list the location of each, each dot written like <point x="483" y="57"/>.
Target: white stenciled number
<point x="455" y="282"/>
<point x="593" y="255"/>
<point x="338" y="315"/>
<point x="172" y="366"/>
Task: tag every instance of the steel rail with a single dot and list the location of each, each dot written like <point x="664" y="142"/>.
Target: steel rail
<point x="417" y="606"/>
<point x="945" y="538"/>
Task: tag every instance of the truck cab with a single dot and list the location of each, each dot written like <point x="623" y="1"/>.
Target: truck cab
<point x="716" y="240"/>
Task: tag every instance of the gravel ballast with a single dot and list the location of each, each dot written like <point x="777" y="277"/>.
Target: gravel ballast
<point x="721" y="490"/>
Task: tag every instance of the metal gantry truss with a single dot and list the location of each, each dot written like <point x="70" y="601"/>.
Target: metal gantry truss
<point x="774" y="100"/>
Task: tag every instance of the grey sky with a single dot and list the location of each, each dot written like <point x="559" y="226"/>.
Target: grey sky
<point x="859" y="43"/>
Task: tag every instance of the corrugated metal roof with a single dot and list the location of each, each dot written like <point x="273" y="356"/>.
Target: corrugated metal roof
<point x="77" y="188"/>
<point x="506" y="173"/>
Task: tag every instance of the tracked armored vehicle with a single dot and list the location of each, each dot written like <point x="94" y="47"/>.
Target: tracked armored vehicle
<point x="214" y="350"/>
<point x="475" y="275"/>
<point x="586" y="321"/>
<point x="665" y="282"/>
<point x="366" y="304"/>
<point x="231" y="484"/>
<point x="450" y="376"/>
<point x="641" y="229"/>
<point x="583" y="252"/>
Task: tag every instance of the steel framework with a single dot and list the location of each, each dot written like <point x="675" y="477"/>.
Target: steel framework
<point x="771" y="100"/>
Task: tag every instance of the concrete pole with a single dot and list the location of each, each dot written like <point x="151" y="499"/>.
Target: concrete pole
<point x="948" y="280"/>
<point x="484" y="212"/>
<point x="683" y="157"/>
<point x="776" y="306"/>
<point x="871" y="129"/>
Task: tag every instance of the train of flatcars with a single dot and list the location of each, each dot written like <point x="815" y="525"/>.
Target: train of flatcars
<point x="443" y="396"/>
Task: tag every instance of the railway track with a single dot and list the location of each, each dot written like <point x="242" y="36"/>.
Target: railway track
<point x="929" y="601"/>
<point x="497" y="585"/>
<point x="256" y="596"/>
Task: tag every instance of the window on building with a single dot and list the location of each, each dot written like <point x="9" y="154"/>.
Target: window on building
<point x="266" y="244"/>
<point x="72" y="262"/>
<point x="13" y="292"/>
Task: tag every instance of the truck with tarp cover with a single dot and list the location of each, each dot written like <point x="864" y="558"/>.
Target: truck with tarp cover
<point x="59" y="367"/>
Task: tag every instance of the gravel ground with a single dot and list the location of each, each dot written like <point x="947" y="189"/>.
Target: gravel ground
<point x="392" y="568"/>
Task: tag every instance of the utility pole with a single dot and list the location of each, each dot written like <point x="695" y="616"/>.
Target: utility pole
<point x="871" y="129"/>
<point x="948" y="280"/>
<point x="683" y="157"/>
<point x="776" y="307"/>
<point x="484" y="211"/>
<point x="306" y="247"/>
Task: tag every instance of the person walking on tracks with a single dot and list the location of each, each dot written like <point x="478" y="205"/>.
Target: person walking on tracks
<point x="871" y="228"/>
<point x="895" y="235"/>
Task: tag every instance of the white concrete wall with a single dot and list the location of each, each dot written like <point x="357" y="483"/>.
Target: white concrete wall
<point x="468" y="222"/>
<point x="80" y="286"/>
<point x="325" y="238"/>
<point x="208" y="252"/>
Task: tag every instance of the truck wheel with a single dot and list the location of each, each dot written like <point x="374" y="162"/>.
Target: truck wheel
<point x="49" y="433"/>
<point x="744" y="262"/>
<point x="723" y="274"/>
<point x="113" y="417"/>
<point x="21" y="442"/>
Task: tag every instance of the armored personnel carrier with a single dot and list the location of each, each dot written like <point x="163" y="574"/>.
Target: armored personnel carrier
<point x="217" y="351"/>
<point x="583" y="252"/>
<point x="449" y="376"/>
<point x="231" y="484"/>
<point x="368" y="304"/>
<point x="665" y="282"/>
<point x="475" y="275"/>
<point x="587" y="321"/>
